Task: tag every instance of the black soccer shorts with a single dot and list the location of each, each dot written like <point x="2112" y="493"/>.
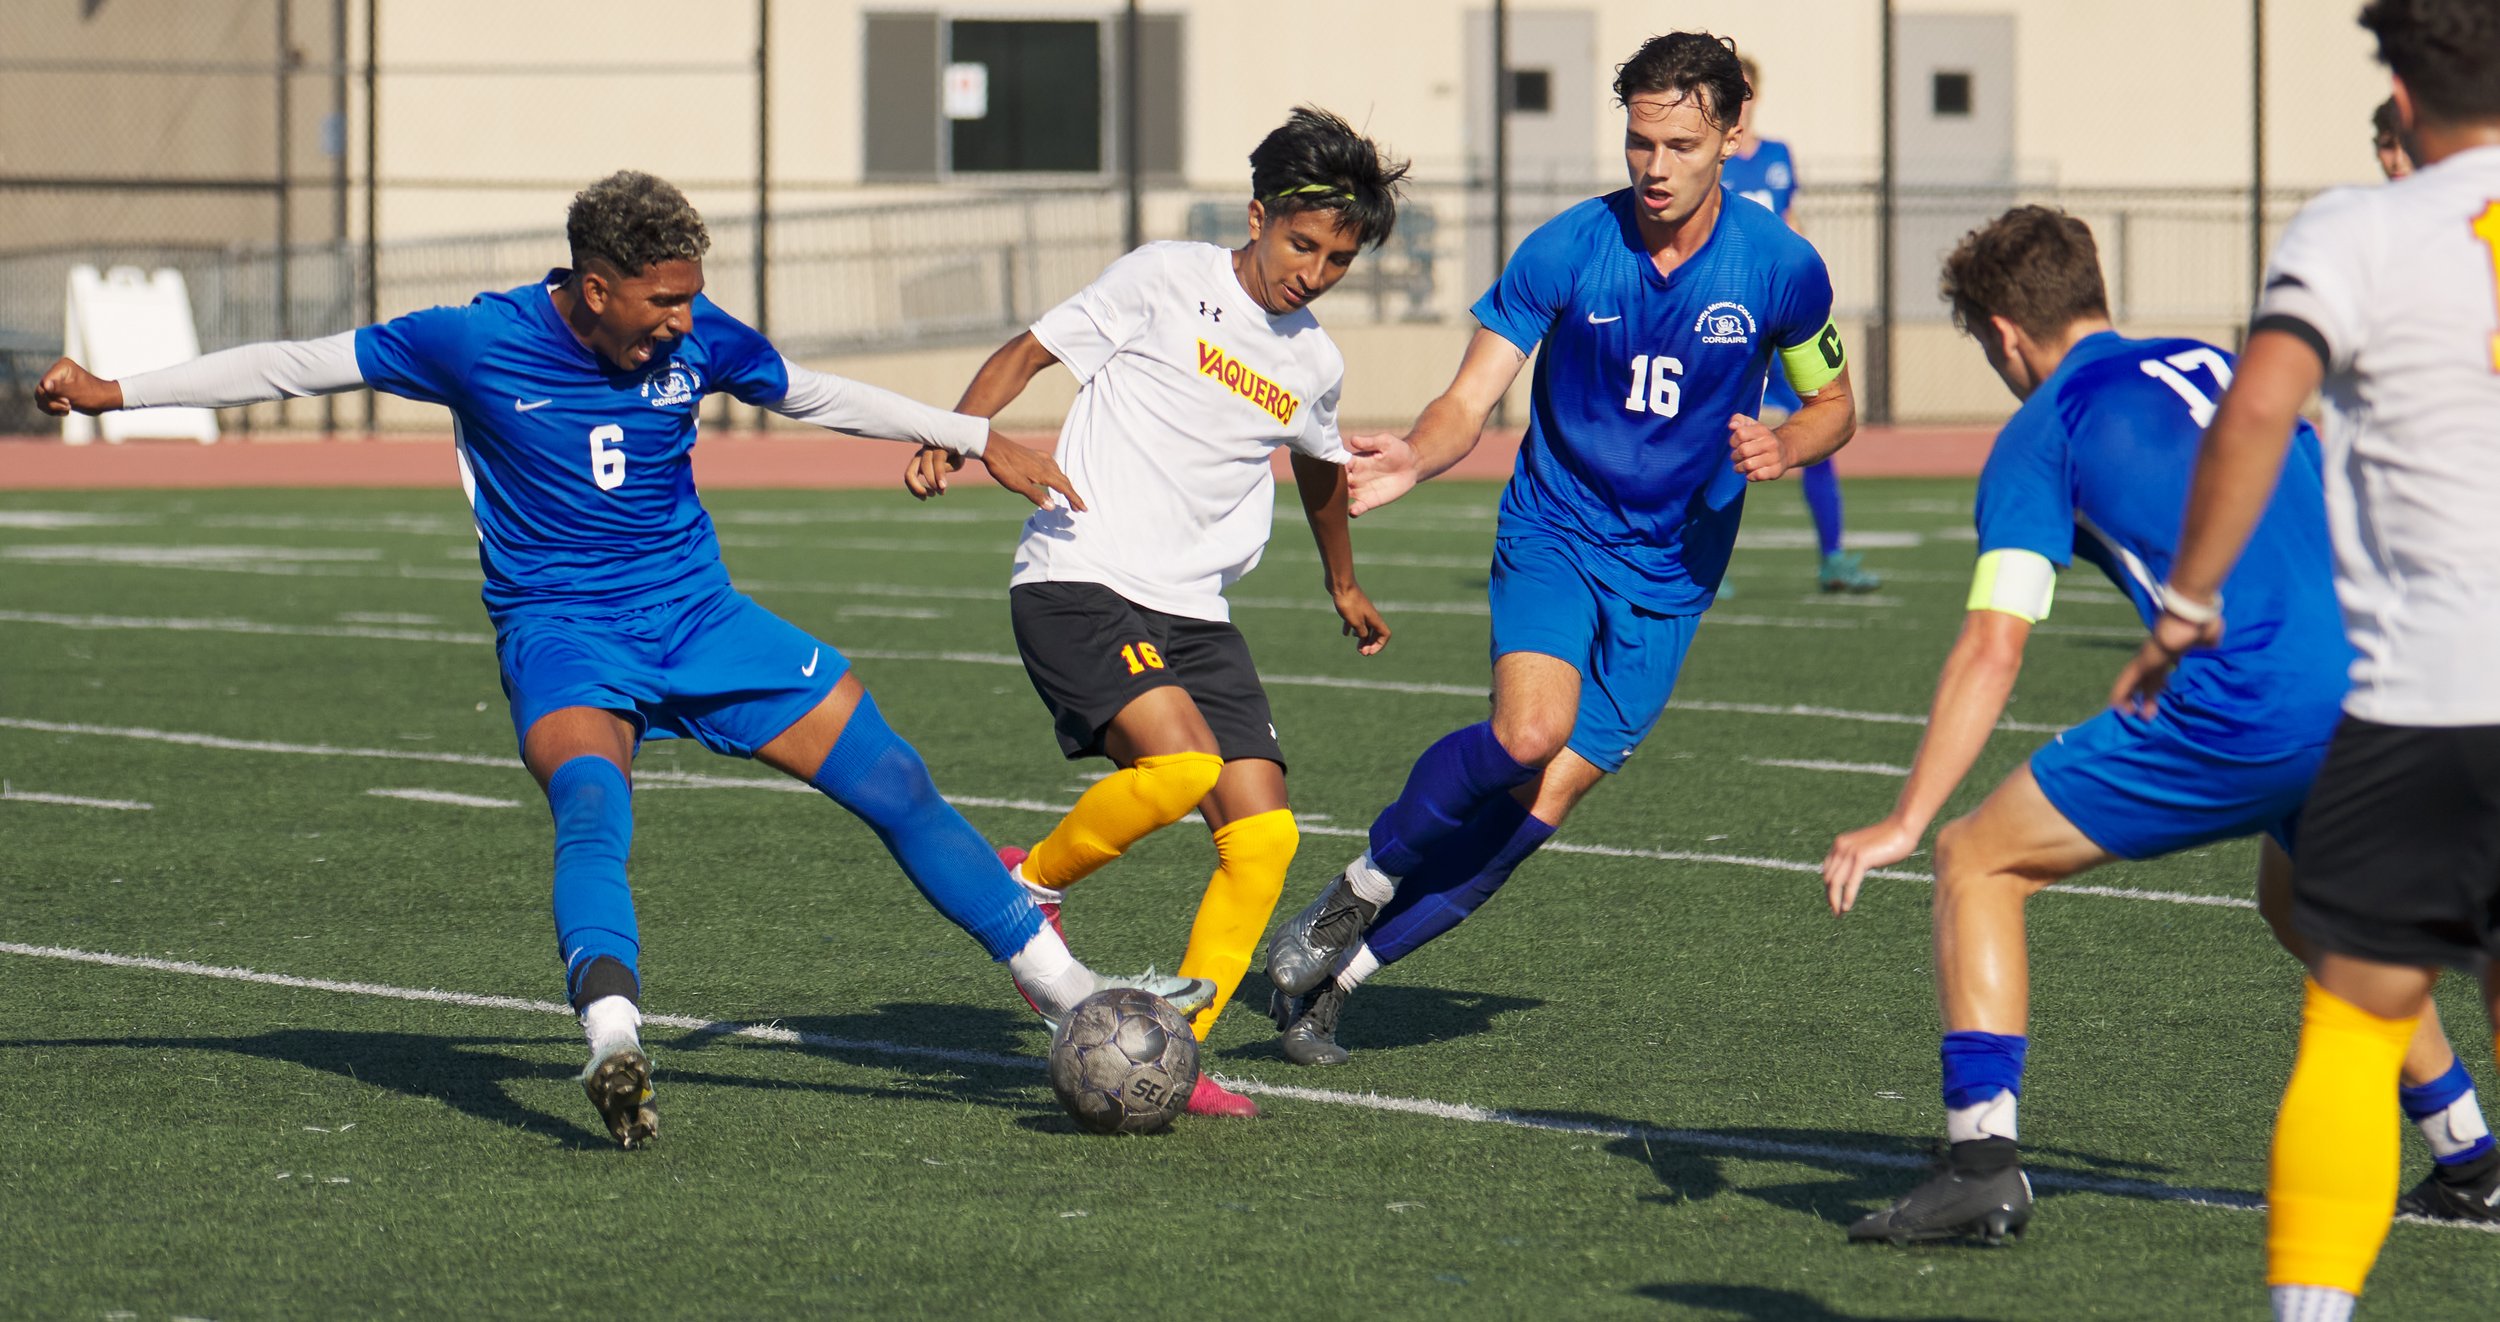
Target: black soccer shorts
<point x="2399" y="854"/>
<point x="1091" y="652"/>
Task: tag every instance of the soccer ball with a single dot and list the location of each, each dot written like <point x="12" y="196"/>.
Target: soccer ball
<point x="1123" y="1062"/>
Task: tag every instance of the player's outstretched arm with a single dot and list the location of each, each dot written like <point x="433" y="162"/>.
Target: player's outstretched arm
<point x="1814" y="433"/>
<point x="1003" y="377"/>
<point x="857" y="409"/>
<point x="228" y="378"/>
<point x="2237" y="468"/>
<point x="1324" y="498"/>
<point x="1970" y="697"/>
<point x="1387" y="466"/>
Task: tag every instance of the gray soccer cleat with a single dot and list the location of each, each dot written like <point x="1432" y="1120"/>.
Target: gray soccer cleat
<point x="1309" y="1024"/>
<point x="1304" y="952"/>
<point x="2468" y="1192"/>
<point x="1953" y="1204"/>
<point x="618" y="1080"/>
<point x="1186" y="995"/>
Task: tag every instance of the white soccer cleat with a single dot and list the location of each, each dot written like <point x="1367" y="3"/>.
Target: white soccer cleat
<point x="1187" y="995"/>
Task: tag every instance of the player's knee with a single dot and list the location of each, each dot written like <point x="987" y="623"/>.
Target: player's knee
<point x="1534" y="738"/>
<point x="1174" y="783"/>
<point x="1256" y="851"/>
<point x="1955" y="857"/>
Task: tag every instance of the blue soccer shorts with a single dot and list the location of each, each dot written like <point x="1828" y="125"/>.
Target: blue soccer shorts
<point x="2140" y="789"/>
<point x="714" y="667"/>
<point x="1628" y="657"/>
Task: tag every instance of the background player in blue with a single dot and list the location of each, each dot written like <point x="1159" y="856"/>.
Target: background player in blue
<point x="1762" y="170"/>
<point x="1659" y="309"/>
<point x="573" y="404"/>
<point x="2096" y="463"/>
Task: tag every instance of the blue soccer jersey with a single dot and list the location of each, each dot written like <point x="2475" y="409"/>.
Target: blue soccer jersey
<point x="1626" y="457"/>
<point x="2096" y="463"/>
<point x="1768" y="176"/>
<point x="580" y="476"/>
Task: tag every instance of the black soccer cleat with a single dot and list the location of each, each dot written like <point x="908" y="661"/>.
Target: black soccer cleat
<point x="619" y="1084"/>
<point x="1304" y="952"/>
<point x="1981" y="1194"/>
<point x="1309" y="1024"/>
<point x="2467" y="1191"/>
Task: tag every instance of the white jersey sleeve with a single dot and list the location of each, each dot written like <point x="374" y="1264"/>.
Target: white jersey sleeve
<point x="1105" y="316"/>
<point x="2318" y="283"/>
<point x="856" y="408"/>
<point x="1318" y="437"/>
<point x="250" y="374"/>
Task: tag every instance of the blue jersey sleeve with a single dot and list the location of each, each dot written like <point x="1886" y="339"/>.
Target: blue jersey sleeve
<point x="1805" y="304"/>
<point x="423" y="355"/>
<point x="2026" y="496"/>
<point x="1536" y="285"/>
<point x="744" y="364"/>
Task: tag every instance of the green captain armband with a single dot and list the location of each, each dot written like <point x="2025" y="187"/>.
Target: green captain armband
<point x="2016" y="583"/>
<point x="1812" y="365"/>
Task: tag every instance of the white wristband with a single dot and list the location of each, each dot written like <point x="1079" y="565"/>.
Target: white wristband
<point x="2188" y="609"/>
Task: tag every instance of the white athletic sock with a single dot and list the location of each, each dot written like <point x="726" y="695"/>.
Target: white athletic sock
<point x="2311" y="1303"/>
<point x="1359" y="964"/>
<point x="2456" y="1129"/>
<point x="1365" y="879"/>
<point x="611" y="1020"/>
<point x="1040" y="893"/>
<point x="1993" y="1118"/>
<point x="1045" y="971"/>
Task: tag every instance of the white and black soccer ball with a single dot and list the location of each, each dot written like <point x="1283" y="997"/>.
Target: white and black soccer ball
<point x="1123" y="1062"/>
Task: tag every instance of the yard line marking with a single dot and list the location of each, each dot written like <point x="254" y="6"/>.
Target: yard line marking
<point x="445" y="797"/>
<point x="71" y="800"/>
<point x="55" y="520"/>
<point x="173" y="556"/>
<point x="1818" y="764"/>
<point x="1736" y="1145"/>
<point x="697" y="780"/>
<point x="229" y="625"/>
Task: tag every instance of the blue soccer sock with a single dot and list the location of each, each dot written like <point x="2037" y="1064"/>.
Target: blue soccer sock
<point x="1822" y="487"/>
<point x="1983" y="1077"/>
<point x="1453" y="778"/>
<point x="876" y="775"/>
<point x="1456" y="877"/>
<point x="2449" y="1116"/>
<point x="594" y="811"/>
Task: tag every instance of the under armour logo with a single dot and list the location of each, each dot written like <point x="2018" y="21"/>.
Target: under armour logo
<point x="1205" y="311"/>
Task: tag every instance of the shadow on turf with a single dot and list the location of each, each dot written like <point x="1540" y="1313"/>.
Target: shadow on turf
<point x="1761" y="1303"/>
<point x="1397" y="1015"/>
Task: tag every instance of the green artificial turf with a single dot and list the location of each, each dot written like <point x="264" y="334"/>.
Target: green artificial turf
<point x="1700" y="1077"/>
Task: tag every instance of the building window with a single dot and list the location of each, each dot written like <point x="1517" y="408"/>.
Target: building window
<point x="1531" y="91"/>
<point x="1044" y="108"/>
<point x="1950" y="95"/>
<point x="1024" y="96"/>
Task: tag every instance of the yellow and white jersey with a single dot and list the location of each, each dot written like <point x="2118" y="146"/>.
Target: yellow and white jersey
<point x="2398" y="290"/>
<point x="1185" y="388"/>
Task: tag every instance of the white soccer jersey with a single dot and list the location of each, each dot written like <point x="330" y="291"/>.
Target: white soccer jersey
<point x="2401" y="285"/>
<point x="1186" y="386"/>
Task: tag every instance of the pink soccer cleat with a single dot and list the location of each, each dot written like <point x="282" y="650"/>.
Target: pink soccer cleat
<point x="1212" y="1098"/>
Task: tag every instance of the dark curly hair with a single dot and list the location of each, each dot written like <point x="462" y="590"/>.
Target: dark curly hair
<point x="633" y="222"/>
<point x="2447" y="52"/>
<point x="1681" y="63"/>
<point x="1315" y="161"/>
<point x="2034" y="266"/>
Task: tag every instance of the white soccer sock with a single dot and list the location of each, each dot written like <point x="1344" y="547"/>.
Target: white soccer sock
<point x="1358" y="965"/>
<point x="2311" y="1303"/>
<point x="1039" y="893"/>
<point x="611" y="1020"/>
<point x="2456" y="1129"/>
<point x="1045" y="971"/>
<point x="1993" y="1118"/>
<point x="1365" y="879"/>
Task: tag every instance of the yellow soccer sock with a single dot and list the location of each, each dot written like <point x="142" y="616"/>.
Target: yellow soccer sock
<point x="1251" y="857"/>
<point x="1121" y="809"/>
<point x="2331" y="1187"/>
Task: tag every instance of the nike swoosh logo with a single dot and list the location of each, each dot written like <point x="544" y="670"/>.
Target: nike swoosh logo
<point x="524" y="406"/>
<point x="809" y="670"/>
<point x="1596" y="320"/>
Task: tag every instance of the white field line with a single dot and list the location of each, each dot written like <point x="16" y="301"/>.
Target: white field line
<point x="445" y="797"/>
<point x="695" y="780"/>
<point x="9" y="794"/>
<point x="1818" y="764"/>
<point x="1460" y="1112"/>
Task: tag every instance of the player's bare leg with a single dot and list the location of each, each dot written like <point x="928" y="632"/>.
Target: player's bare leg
<point x="583" y="758"/>
<point x="845" y="750"/>
<point x="1536" y="701"/>
<point x="1988" y="866"/>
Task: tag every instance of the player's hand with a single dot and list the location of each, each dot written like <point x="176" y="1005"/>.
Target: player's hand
<point x="1028" y="473"/>
<point x="1362" y="619"/>
<point x="66" y="386"/>
<point x="925" y="475"/>
<point x="2139" y="686"/>
<point x="1856" y="853"/>
<point x="1383" y="469"/>
<point x="1759" y="452"/>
